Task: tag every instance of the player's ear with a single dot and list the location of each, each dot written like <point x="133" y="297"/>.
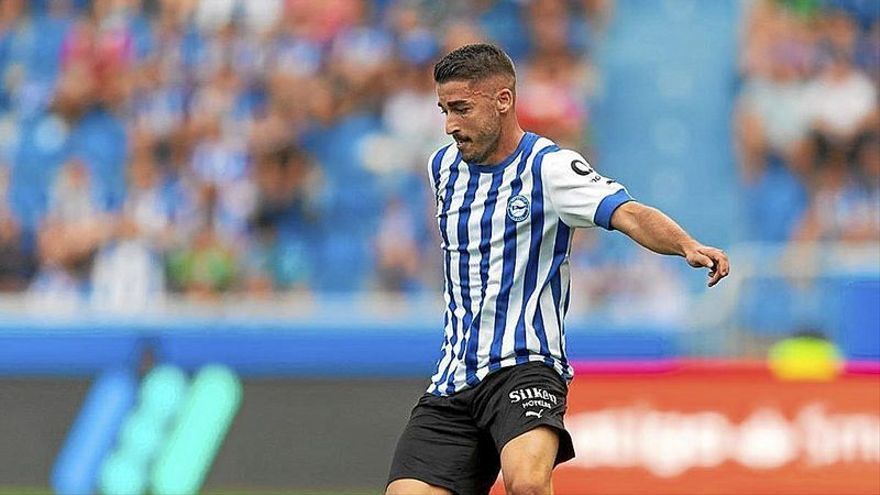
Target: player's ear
<point x="504" y="100"/>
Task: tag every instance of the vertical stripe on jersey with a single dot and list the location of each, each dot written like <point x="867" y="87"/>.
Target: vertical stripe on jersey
<point x="435" y="167"/>
<point x="569" y="371"/>
<point x="488" y="316"/>
<point x="538" y="325"/>
<point x="473" y="340"/>
<point x="464" y="267"/>
<point x="560" y="251"/>
<point x="552" y="300"/>
<point x="508" y="265"/>
<point x="453" y="320"/>
<point x="531" y="275"/>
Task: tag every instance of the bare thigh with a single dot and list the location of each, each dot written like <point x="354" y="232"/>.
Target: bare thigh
<point x="527" y="461"/>
<point x="410" y="486"/>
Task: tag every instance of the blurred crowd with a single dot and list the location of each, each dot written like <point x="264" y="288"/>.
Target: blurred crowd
<point x="808" y="142"/>
<point x="205" y="147"/>
<point x="259" y="146"/>
<point x="808" y="126"/>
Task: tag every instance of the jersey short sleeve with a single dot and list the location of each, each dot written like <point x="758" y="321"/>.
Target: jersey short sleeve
<point x="580" y="196"/>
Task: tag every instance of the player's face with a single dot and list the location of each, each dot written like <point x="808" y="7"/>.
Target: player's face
<point x="472" y="118"/>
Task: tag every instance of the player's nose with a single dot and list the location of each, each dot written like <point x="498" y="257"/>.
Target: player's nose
<point x="451" y="126"/>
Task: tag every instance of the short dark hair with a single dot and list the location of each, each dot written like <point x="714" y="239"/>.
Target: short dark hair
<point x="472" y="63"/>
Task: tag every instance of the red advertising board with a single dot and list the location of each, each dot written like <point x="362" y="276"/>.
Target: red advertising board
<point x="720" y="428"/>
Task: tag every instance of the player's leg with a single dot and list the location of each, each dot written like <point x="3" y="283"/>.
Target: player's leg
<point x="527" y="462"/>
<point x="440" y="450"/>
<point x="409" y="486"/>
<point x="524" y="411"/>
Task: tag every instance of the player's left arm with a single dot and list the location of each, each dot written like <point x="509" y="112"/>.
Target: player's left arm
<point x="653" y="229"/>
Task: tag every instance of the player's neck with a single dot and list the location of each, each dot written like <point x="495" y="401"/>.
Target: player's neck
<point x="507" y="144"/>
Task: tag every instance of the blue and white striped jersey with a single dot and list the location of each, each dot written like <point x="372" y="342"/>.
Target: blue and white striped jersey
<point x="506" y="233"/>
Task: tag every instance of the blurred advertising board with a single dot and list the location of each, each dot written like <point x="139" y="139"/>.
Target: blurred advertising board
<point x="721" y="428"/>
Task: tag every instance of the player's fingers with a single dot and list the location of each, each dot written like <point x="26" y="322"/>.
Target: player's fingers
<point x="722" y="267"/>
<point x="698" y="260"/>
<point x="725" y="265"/>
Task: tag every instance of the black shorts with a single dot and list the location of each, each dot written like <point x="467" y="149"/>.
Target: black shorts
<point x="455" y="442"/>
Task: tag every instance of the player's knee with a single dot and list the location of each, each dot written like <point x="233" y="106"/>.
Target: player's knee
<point x="529" y="484"/>
<point x="414" y="487"/>
<point x="403" y="487"/>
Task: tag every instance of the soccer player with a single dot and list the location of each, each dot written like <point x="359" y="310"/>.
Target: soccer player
<point x="507" y="203"/>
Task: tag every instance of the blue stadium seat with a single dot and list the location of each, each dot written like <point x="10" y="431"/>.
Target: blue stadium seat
<point x="859" y="317"/>
<point x="665" y="110"/>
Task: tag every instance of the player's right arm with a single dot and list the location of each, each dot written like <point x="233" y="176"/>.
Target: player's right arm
<point x="654" y="230"/>
<point x="584" y="198"/>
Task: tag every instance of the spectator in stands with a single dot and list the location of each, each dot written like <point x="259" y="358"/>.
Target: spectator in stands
<point x="598" y="13"/>
<point x="292" y="51"/>
<point x="128" y="273"/>
<point x="279" y="256"/>
<point x="17" y="263"/>
<point x="34" y="41"/>
<point x="412" y="126"/>
<point x="147" y="206"/>
<point x="397" y="251"/>
<point x="867" y="53"/>
<point x="103" y="43"/>
<point x="557" y="80"/>
<point x="841" y="103"/>
<point x="220" y="165"/>
<point x="803" y="113"/>
<point x="845" y="201"/>
<point x="257" y="15"/>
<point x="869" y="173"/>
<point x="461" y="32"/>
<point x="322" y="21"/>
<point x="773" y="123"/>
<point x="158" y="103"/>
<point x="74" y="229"/>
<point x="624" y="283"/>
<point x="832" y="197"/>
<point x="273" y="264"/>
<point x="205" y="266"/>
<point x="593" y="273"/>
<point x="175" y="44"/>
<point x="201" y="89"/>
<point x="361" y="56"/>
<point x="865" y="226"/>
<point x="76" y="223"/>
<point x="10" y="17"/>
<point x="288" y="188"/>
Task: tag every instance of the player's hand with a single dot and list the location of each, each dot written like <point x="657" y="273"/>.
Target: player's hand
<point x="714" y="259"/>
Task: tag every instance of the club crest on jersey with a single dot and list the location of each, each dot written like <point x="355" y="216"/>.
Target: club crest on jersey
<point x="518" y="208"/>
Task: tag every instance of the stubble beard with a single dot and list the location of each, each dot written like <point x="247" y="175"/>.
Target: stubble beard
<point x="492" y="138"/>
